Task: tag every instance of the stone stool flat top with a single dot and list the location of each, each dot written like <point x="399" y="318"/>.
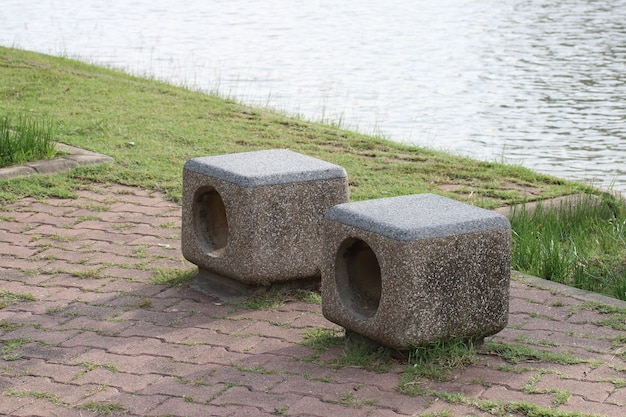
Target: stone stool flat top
<point x="417" y="217"/>
<point x="263" y="168"/>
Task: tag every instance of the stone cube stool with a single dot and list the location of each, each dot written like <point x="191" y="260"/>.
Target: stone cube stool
<point x="255" y="217"/>
<point x="406" y="271"/>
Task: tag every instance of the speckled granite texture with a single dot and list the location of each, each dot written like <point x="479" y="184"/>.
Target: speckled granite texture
<point x="405" y="271"/>
<point x="255" y="217"/>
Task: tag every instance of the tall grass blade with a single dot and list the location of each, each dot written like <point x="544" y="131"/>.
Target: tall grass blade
<point x="25" y="140"/>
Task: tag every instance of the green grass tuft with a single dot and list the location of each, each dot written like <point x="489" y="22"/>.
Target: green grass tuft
<point x="356" y="350"/>
<point x="581" y="244"/>
<point x="8" y="347"/>
<point x="516" y="353"/>
<point x="8" y="298"/>
<point x="435" y="361"/>
<point x="102" y="408"/>
<point x="25" y="140"/>
<point x="173" y="277"/>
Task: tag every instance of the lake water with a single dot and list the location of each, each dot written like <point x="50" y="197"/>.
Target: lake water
<point x="540" y="83"/>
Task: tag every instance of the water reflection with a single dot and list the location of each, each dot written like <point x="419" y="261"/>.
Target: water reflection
<point x="536" y="82"/>
<point x="570" y="86"/>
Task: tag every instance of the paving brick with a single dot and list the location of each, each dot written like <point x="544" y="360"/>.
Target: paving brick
<point x="123" y="363"/>
<point x="578" y="371"/>
<point x="314" y="321"/>
<point x="127" y="272"/>
<point x="277" y="331"/>
<point x="44" y="408"/>
<point x="297" y="367"/>
<point x="488" y="376"/>
<point x="58" y="354"/>
<point x="186" y="348"/>
<point x="589" y="390"/>
<point x="52" y="216"/>
<point x="24" y="252"/>
<point x="55" y="235"/>
<point x="617" y="397"/>
<point x="107" y="236"/>
<point x="127" y="286"/>
<point x="354" y="375"/>
<point x="217" y="322"/>
<point x="324" y="390"/>
<point x="16" y="215"/>
<point x="192" y="390"/>
<point x="27" y="318"/>
<point x="169" y="367"/>
<point x="145" y="209"/>
<point x="10" y="406"/>
<point x="176" y="407"/>
<point x="101" y="394"/>
<point x="56" y="211"/>
<point x="63" y="254"/>
<point x="43" y="336"/>
<point x="144" y="240"/>
<point x="165" y="333"/>
<point x="503" y="394"/>
<point x="102" y="259"/>
<point x="69" y="295"/>
<point x="470" y="390"/>
<point x="17" y="239"/>
<point x="268" y="345"/>
<point x="10" y="274"/>
<point x="563" y="338"/>
<point x="579" y="405"/>
<point x="314" y="407"/>
<point x="439" y="407"/>
<point x="295" y="352"/>
<point x="267" y="401"/>
<point x="92" y="339"/>
<point x="150" y="346"/>
<point x="124" y="381"/>
<point x="20" y="287"/>
<point x="523" y="292"/>
<point x="64" y="393"/>
<point x="139" y="405"/>
<point x="55" y="371"/>
<point x="183" y="296"/>
<point x="393" y="401"/>
<point x="252" y="377"/>
<point x="25" y="265"/>
<point x="159" y="318"/>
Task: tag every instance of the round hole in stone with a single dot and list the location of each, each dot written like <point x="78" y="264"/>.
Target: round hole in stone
<point x="209" y="221"/>
<point x="357" y="277"/>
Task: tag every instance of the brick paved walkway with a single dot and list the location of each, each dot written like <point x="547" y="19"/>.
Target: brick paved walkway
<point x="87" y="329"/>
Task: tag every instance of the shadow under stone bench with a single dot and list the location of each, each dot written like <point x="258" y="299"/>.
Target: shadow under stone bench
<point x="406" y="271"/>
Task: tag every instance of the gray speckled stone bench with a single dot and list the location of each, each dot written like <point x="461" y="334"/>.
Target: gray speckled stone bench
<point x="406" y="271"/>
<point x="255" y="217"/>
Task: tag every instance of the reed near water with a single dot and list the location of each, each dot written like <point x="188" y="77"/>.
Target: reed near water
<point x="581" y="243"/>
<point x="23" y="139"/>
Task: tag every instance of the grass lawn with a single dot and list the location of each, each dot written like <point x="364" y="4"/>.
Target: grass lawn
<point x="152" y="128"/>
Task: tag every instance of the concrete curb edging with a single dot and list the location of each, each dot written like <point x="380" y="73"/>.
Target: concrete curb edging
<point x="74" y="157"/>
<point x="562" y="289"/>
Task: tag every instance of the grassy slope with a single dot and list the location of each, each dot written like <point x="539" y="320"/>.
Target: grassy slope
<point x="105" y="111"/>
